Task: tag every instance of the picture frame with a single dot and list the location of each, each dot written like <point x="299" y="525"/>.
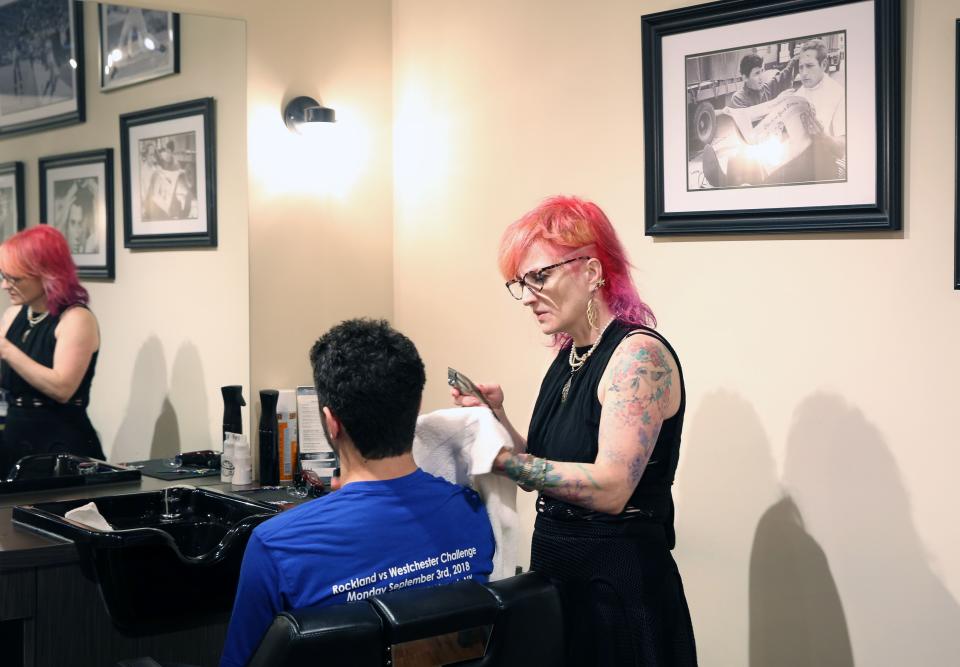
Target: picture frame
<point x="168" y="168"/>
<point x="136" y="45"/>
<point x="777" y="155"/>
<point x="956" y="195"/>
<point x="42" y="87"/>
<point x="76" y="197"/>
<point x="13" y="216"/>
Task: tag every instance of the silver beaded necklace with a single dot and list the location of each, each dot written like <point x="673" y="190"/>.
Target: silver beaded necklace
<point x="577" y="361"/>
<point x="33" y="319"/>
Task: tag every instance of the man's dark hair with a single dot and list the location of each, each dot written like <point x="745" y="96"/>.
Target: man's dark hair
<point x="371" y="378"/>
<point x="748" y="62"/>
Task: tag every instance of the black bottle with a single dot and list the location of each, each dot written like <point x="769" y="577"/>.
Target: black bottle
<point x="269" y="446"/>
<point x="232" y="400"/>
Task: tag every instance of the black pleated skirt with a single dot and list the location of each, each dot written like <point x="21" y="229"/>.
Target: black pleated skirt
<point x="623" y="600"/>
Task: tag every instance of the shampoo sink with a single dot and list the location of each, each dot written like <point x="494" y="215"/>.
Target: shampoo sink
<point x="173" y="558"/>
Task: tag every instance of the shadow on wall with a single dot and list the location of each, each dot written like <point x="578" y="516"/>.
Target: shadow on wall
<point x="842" y="476"/>
<point x="726" y="477"/>
<point x="796" y="618"/>
<point x="148" y="404"/>
<point x="151" y="404"/>
<point x="187" y="383"/>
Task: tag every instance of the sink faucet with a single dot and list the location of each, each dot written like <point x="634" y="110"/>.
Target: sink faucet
<point x="167" y="514"/>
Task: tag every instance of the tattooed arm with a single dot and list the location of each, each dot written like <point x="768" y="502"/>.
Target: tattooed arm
<point x="637" y="393"/>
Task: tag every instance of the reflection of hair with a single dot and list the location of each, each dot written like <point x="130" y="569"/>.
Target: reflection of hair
<point x="567" y="223"/>
<point x="42" y="252"/>
<point x="749" y="62"/>
<point x="371" y="378"/>
<point x="817" y="45"/>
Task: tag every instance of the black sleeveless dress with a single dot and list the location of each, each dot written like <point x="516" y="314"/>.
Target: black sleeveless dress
<point x="37" y="424"/>
<point x="622" y="595"/>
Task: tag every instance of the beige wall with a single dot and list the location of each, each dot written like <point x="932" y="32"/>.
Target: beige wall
<point x="174" y="323"/>
<point x="321" y="209"/>
<point x="815" y="491"/>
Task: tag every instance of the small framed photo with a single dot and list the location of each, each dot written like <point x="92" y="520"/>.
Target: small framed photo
<point x="12" y="214"/>
<point x="41" y="65"/>
<point x="137" y="45"/>
<point x="782" y="116"/>
<point x="168" y="160"/>
<point x="76" y="197"/>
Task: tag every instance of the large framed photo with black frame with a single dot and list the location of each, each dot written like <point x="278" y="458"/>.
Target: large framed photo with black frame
<point x="12" y="214"/>
<point x="766" y="117"/>
<point x="169" y="171"/>
<point x="76" y="197"/>
<point x="41" y="65"/>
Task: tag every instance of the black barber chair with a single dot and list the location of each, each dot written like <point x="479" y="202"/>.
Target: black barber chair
<point x="514" y="621"/>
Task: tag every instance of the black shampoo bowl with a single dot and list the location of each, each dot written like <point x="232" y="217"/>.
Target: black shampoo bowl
<point x="173" y="558"/>
<point x="40" y="472"/>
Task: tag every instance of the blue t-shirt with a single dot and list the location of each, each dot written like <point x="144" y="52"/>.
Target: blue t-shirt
<point x="366" y="539"/>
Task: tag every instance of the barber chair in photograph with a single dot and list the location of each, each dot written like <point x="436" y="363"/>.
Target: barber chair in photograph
<point x="515" y="621"/>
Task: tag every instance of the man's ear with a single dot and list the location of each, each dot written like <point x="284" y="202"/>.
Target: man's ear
<point x="333" y="424"/>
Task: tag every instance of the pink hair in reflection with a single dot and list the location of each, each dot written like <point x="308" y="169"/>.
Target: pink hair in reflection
<point x="42" y="252"/>
<point x="568" y="223"/>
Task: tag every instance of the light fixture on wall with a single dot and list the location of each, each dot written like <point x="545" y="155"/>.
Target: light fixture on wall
<point x="302" y="110"/>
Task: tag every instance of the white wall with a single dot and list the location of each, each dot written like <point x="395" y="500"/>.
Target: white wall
<point x="174" y="323"/>
<point x="815" y="490"/>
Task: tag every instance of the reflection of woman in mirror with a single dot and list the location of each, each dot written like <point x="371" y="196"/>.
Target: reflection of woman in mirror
<point x="49" y="342"/>
<point x="74" y="216"/>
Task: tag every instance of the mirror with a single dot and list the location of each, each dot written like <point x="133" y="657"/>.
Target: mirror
<point x="174" y="321"/>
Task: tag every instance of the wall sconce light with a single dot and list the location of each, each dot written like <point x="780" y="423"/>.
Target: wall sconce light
<point x="302" y="110"/>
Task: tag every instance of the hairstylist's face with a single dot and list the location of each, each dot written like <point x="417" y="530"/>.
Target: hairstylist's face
<point x="562" y="302"/>
<point x="22" y="289"/>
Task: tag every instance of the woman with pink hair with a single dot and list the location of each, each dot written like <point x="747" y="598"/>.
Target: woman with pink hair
<point x="603" y="442"/>
<point x="49" y="342"/>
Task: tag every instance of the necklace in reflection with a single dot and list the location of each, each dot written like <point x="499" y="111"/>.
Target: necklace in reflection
<point x="33" y="319"/>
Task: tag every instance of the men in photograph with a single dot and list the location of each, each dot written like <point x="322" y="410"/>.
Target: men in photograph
<point x="826" y="95"/>
<point x="390" y="526"/>
<point x="75" y="213"/>
<point x="755" y="90"/>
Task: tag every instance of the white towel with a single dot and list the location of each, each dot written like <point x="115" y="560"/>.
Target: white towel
<point x="90" y="516"/>
<point x="459" y="445"/>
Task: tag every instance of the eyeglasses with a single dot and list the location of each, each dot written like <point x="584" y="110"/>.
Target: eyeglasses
<point x="13" y="280"/>
<point x="535" y="279"/>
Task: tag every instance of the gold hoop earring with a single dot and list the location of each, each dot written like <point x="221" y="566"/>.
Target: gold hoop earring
<point x="592" y="313"/>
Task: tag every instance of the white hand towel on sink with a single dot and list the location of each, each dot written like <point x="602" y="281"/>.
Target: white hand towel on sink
<point x="90" y="516"/>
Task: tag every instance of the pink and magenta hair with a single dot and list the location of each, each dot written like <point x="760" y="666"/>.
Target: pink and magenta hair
<point x="568" y="223"/>
<point x="42" y="252"/>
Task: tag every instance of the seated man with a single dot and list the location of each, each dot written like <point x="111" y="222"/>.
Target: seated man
<point x="390" y="526"/>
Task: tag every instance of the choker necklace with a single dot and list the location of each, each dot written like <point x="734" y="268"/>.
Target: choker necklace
<point x="33" y="319"/>
<point x="577" y="361"/>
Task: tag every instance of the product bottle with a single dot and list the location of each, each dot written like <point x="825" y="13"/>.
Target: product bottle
<point x="226" y="459"/>
<point x="269" y="447"/>
<point x="242" y="463"/>
<point x="232" y="401"/>
<point x="287" y="435"/>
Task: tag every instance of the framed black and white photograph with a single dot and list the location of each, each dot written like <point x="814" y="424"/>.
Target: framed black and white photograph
<point x="137" y="45"/>
<point x="41" y="65"/>
<point x="76" y="197"/>
<point x="12" y="214"/>
<point x="746" y="117"/>
<point x="168" y="158"/>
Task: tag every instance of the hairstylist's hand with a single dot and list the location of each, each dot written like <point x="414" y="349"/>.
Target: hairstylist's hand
<point x="492" y="392"/>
